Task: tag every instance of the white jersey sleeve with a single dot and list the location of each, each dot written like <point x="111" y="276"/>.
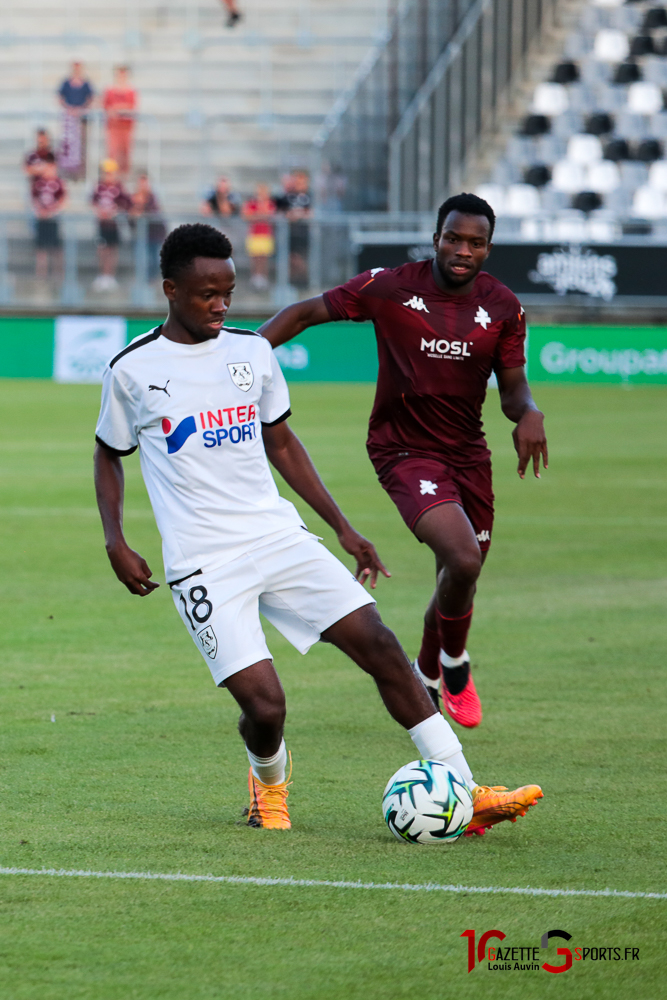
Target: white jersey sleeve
<point x="117" y="424"/>
<point x="274" y="404"/>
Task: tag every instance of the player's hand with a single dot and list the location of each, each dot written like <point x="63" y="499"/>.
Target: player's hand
<point x="369" y="563"/>
<point x="530" y="442"/>
<point x="132" y="570"/>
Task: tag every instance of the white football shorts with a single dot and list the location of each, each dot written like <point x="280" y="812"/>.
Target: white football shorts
<point x="295" y="582"/>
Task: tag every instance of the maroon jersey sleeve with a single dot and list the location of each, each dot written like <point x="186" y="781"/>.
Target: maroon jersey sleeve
<point x="353" y="300"/>
<point x="510" y="350"/>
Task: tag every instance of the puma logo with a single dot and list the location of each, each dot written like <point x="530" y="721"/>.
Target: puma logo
<point x="161" y="388"/>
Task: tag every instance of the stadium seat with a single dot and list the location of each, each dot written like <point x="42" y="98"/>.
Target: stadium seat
<point x="565" y="72"/>
<point x="627" y="72"/>
<point x="550" y="99"/>
<point x="655" y="17"/>
<point x="641" y="45"/>
<point x="617" y="149"/>
<point x="648" y="203"/>
<point x="535" y="125"/>
<point x="599" y="123"/>
<point x="648" y="150"/>
<point x="571" y="227"/>
<point x="657" y="175"/>
<point x="644" y="98"/>
<point x="587" y="201"/>
<point x="602" y="227"/>
<point x="494" y="194"/>
<point x="611" y="45"/>
<point x="538" y="175"/>
<point x="603" y="177"/>
<point x="568" y="176"/>
<point x="521" y="200"/>
<point x="584" y="149"/>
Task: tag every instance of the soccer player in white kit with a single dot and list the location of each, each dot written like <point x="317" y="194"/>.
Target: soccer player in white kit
<point x="207" y="406"/>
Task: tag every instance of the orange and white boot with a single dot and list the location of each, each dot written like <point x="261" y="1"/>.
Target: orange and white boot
<point x="493" y="804"/>
<point x="268" y="803"/>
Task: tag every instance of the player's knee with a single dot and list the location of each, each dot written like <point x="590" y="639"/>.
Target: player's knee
<point x="465" y="567"/>
<point x="266" y="713"/>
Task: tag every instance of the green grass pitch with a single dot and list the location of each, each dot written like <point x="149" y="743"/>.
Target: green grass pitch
<point x="142" y="769"/>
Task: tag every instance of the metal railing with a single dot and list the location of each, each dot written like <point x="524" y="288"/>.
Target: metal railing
<point x="308" y="256"/>
<point x="459" y="101"/>
<point x="355" y="135"/>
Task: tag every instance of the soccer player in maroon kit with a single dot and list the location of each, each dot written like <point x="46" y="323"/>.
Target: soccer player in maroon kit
<point x="442" y="327"/>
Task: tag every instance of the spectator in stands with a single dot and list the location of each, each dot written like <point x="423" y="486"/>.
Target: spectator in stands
<point x="48" y="196"/>
<point x="296" y="203"/>
<point x="260" y="242"/>
<point x="76" y="96"/>
<point x="222" y="201"/>
<point x="41" y="155"/>
<point x="120" y="104"/>
<point x="233" y="12"/>
<point x="145" y="204"/>
<point x="109" y="199"/>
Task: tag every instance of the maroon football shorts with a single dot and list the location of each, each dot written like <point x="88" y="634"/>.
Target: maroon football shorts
<point x="418" y="484"/>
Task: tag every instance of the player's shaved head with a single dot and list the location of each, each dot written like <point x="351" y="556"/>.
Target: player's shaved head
<point x="185" y="243"/>
<point x="466" y="204"/>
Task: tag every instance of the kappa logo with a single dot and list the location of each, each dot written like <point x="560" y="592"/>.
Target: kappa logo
<point x="482" y="317"/>
<point x="416" y="303"/>
<point x="242" y="375"/>
<point x="426" y="486"/>
<point x="376" y="270"/>
<point x="209" y="641"/>
<point x="484" y="536"/>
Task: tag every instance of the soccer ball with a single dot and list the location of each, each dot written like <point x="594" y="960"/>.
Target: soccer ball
<point x="427" y="802"/>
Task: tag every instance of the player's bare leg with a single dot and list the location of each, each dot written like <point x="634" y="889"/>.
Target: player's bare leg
<point x="367" y="641"/>
<point x="373" y="647"/>
<point x="448" y="532"/>
<point x="260" y="695"/>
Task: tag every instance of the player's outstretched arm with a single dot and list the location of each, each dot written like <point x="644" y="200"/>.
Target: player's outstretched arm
<point x="130" y="568"/>
<point x="294" y="319"/>
<point x="290" y="458"/>
<point x="518" y="405"/>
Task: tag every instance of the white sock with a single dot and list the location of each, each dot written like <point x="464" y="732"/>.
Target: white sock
<point x="429" y="682"/>
<point x="454" y="661"/>
<point x="270" y="770"/>
<point x="436" y="740"/>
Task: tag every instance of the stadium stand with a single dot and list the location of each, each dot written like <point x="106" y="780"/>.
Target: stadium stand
<point x="589" y="159"/>
<point x="245" y="102"/>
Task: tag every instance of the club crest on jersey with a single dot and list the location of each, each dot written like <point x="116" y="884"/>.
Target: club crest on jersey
<point x="482" y="317"/>
<point x="209" y="641"/>
<point x="242" y="375"/>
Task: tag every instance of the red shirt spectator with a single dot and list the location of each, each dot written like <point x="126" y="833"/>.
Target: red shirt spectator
<point x="120" y="103"/>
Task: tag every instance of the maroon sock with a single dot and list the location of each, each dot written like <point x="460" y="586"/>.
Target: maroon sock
<point x="429" y="654"/>
<point x="453" y="633"/>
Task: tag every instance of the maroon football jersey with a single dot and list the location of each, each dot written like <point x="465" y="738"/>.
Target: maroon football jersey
<point x="436" y="353"/>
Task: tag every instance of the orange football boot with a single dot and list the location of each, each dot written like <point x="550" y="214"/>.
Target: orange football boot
<point x="494" y="804"/>
<point x="268" y="803"/>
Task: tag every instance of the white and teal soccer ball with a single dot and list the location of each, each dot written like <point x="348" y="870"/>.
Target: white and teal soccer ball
<point x="427" y="802"/>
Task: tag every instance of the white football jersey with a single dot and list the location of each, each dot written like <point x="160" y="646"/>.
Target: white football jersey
<point x="195" y="411"/>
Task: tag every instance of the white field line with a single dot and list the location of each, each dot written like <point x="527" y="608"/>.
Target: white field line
<point x="326" y="883"/>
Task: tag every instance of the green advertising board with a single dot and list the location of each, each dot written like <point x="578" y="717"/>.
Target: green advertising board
<point x="337" y="352"/>
<point x="598" y="354"/>
<point x="346" y="352"/>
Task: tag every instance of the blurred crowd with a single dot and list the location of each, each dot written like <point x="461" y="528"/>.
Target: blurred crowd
<point x="121" y="194"/>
